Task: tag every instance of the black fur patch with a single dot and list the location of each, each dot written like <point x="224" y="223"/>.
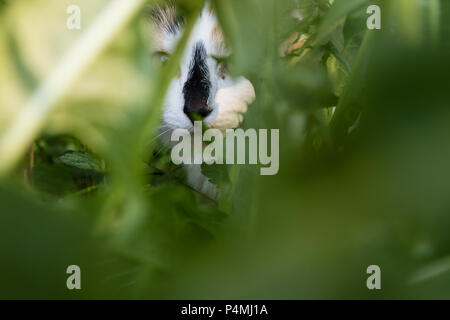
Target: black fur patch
<point x="198" y="85"/>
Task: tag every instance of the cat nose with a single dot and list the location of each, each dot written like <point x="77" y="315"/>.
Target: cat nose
<point x="196" y="110"/>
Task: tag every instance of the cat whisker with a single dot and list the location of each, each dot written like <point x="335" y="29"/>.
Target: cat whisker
<point x="159" y="135"/>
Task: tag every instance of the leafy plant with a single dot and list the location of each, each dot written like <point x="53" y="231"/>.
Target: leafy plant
<point x="363" y="155"/>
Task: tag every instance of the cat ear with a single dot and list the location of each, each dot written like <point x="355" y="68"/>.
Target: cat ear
<point x="166" y="18"/>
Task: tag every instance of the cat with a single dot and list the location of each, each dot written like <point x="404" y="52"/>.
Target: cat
<point x="203" y="73"/>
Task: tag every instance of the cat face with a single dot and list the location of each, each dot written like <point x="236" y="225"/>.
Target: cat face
<point x="202" y="71"/>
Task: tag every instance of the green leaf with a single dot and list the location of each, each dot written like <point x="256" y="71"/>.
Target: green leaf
<point x="81" y="160"/>
<point x="336" y="15"/>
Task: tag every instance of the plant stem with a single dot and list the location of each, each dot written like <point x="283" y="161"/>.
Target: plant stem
<point x="29" y="165"/>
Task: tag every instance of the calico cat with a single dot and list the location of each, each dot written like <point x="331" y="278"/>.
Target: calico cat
<point x="203" y="87"/>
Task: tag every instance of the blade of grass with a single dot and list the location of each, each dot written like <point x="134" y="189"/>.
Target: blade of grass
<point x="33" y="116"/>
<point x="431" y="271"/>
<point x="347" y="111"/>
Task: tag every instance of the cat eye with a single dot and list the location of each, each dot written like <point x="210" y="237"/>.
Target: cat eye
<point x="164" y="58"/>
<point x="222" y="63"/>
<point x="220" y="60"/>
<point x="161" y="57"/>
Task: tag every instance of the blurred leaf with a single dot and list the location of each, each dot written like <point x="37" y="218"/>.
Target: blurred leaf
<point x="336" y="15"/>
<point x="369" y="187"/>
<point x="55" y="179"/>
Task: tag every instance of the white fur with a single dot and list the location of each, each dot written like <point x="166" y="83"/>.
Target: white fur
<point x="205" y="30"/>
<point x="173" y="115"/>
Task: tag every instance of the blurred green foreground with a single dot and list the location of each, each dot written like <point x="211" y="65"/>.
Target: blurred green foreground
<point x="86" y="183"/>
